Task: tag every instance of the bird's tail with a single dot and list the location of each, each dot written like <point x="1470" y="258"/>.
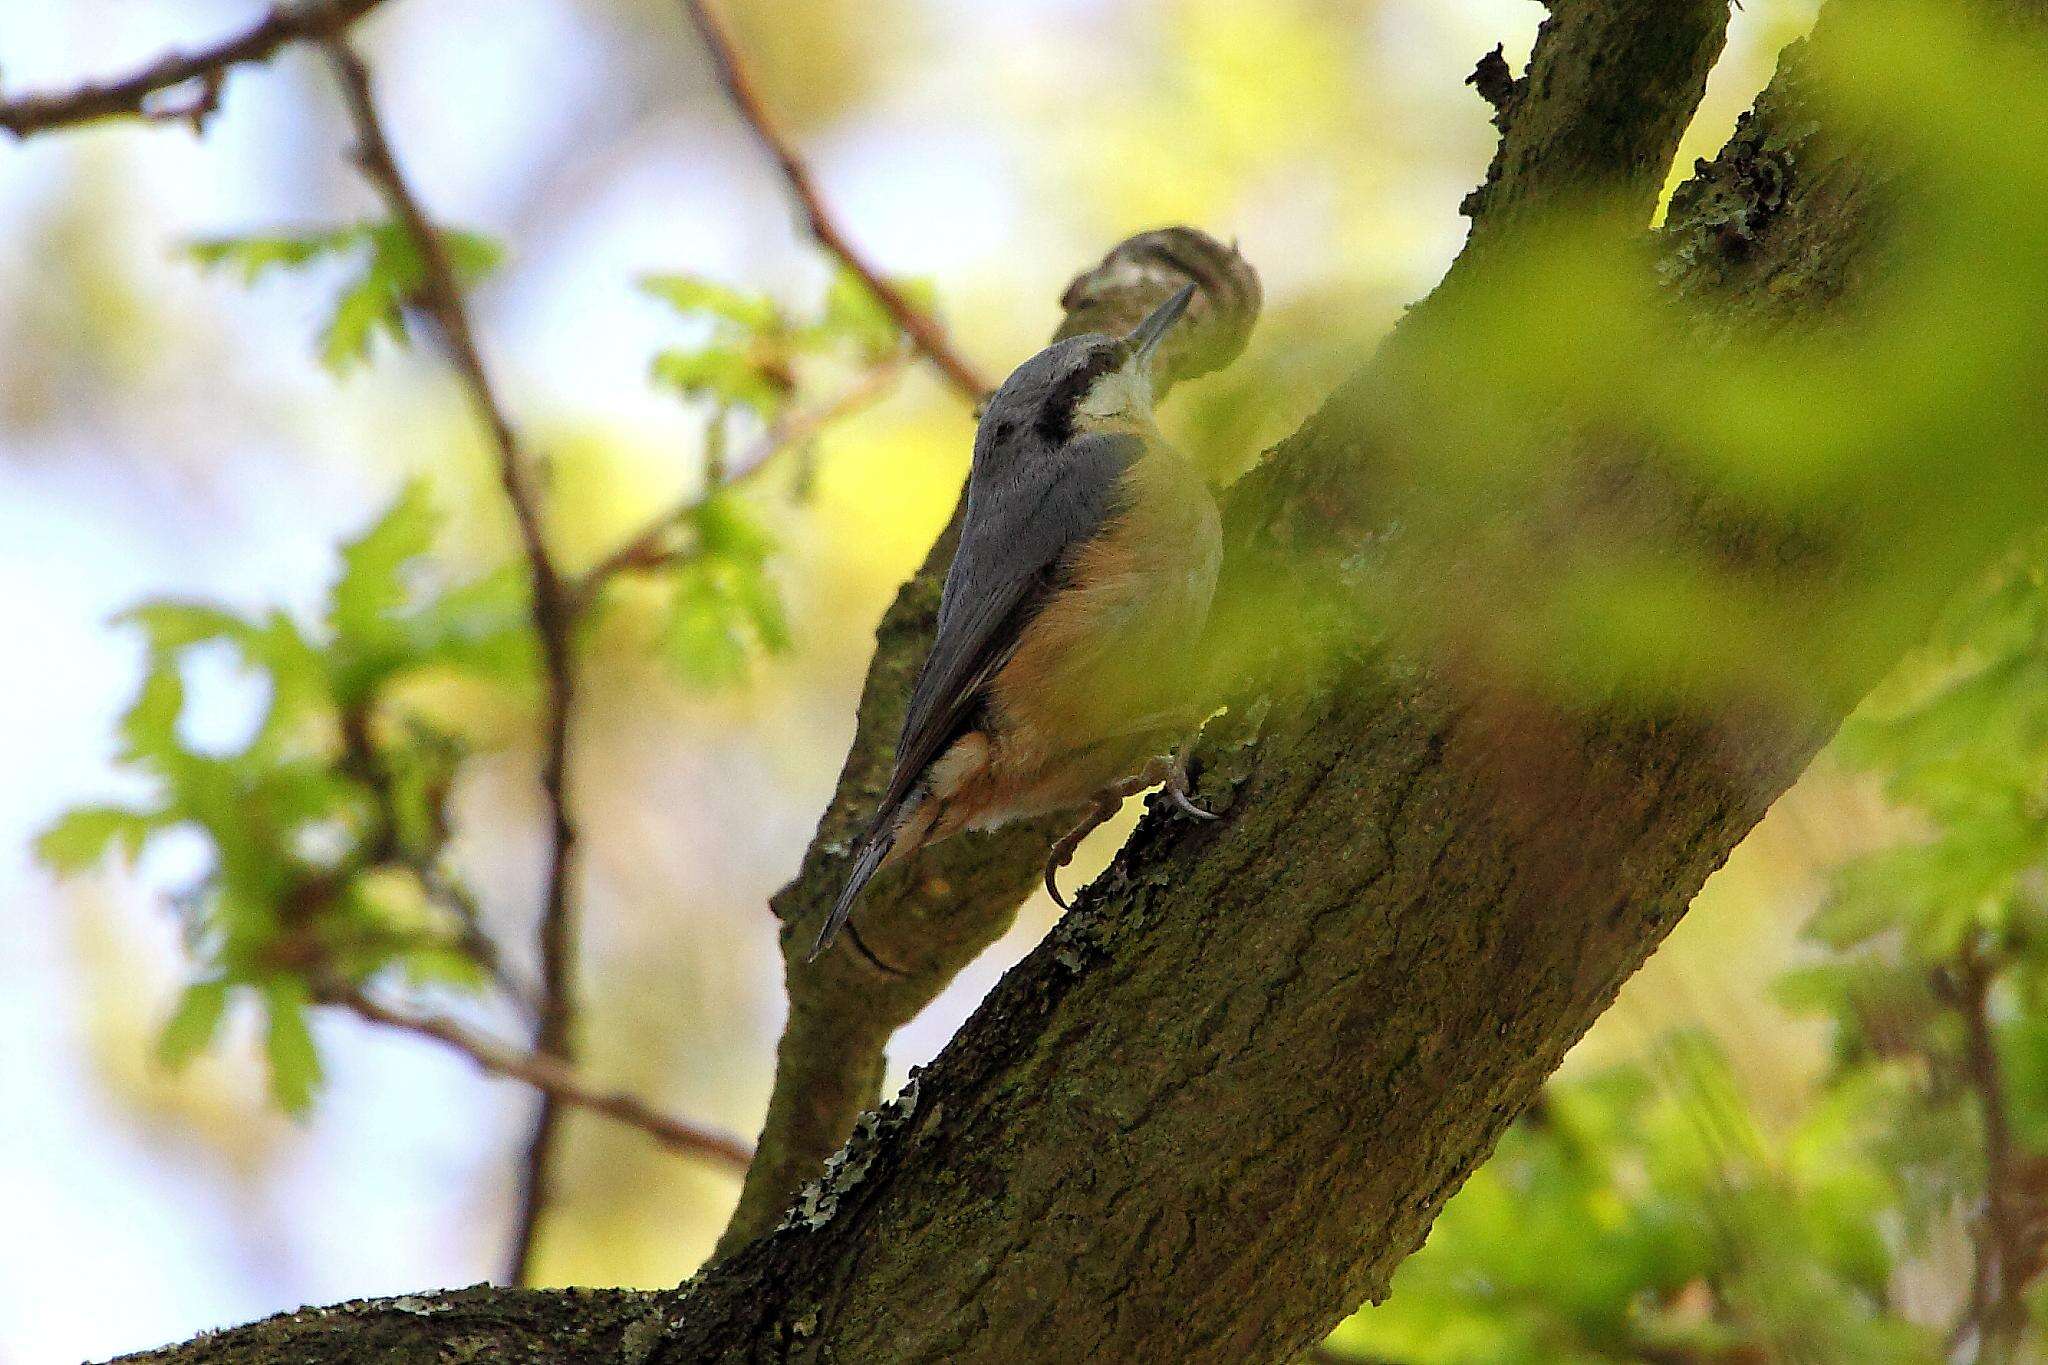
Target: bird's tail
<point x="874" y="848"/>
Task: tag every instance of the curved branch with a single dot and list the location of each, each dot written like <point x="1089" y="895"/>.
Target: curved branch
<point x="548" y="1075"/>
<point x="921" y="327"/>
<point x="131" y="94"/>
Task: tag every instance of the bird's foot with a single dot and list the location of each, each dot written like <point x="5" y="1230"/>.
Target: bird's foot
<point x="1107" y="802"/>
<point x="1168" y="772"/>
<point x="1179" y="786"/>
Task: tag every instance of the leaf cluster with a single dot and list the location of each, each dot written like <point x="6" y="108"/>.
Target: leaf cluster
<point x="750" y="357"/>
<point x="325" y="828"/>
<point x="388" y="274"/>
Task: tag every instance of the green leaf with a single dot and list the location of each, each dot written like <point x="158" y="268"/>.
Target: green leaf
<point x="288" y="1042"/>
<point x="80" y="838"/>
<point x="365" y="308"/>
<point x="760" y="602"/>
<point x="483" y="628"/>
<point x="372" y="587"/>
<point x="172" y="624"/>
<point x="372" y="303"/>
<point x="192" y="1024"/>
<point x="471" y="255"/>
<point x="298" y="674"/>
<point x="149" y="730"/>
<point x="692" y="296"/>
<point x="254" y="256"/>
<point x="722" y="373"/>
<point x="273" y="645"/>
<point x="727" y="529"/>
<point x="701" y="641"/>
<point x="854" y="314"/>
<point x="439" y="965"/>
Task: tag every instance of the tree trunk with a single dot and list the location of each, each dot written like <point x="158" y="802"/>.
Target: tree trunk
<point x="1210" y="1114"/>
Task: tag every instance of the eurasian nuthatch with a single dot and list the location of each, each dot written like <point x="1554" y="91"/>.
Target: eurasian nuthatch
<point x="1083" y="576"/>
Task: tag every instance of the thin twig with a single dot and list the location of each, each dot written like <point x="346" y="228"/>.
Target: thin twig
<point x="548" y="1075"/>
<point x="923" y="330"/>
<point x="2001" y="1250"/>
<point x="553" y="620"/>
<point x="645" y="547"/>
<point x="130" y="94"/>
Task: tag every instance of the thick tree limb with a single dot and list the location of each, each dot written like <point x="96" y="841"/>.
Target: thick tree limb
<point x="1576" y="128"/>
<point x="554" y="613"/>
<point x="208" y="68"/>
<point x="936" y="916"/>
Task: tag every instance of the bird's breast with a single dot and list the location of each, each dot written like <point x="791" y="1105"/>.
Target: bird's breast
<point x="1105" y="668"/>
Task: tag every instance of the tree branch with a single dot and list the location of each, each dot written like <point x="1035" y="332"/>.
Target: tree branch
<point x="553" y="621"/>
<point x="923" y="330"/>
<point x="131" y="94"/>
<point x="936" y="915"/>
<point x="1576" y="132"/>
<point x="549" y="1076"/>
<point x="2002" y="1248"/>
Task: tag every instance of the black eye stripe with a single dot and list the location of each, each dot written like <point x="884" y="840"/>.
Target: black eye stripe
<point x="1056" y="418"/>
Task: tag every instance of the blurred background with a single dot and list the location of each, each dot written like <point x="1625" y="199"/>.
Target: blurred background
<point x="166" y="432"/>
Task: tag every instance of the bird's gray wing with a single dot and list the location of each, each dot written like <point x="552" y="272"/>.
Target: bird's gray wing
<point x="1027" y="512"/>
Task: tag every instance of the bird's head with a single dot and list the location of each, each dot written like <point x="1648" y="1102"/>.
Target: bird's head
<point x="1084" y="383"/>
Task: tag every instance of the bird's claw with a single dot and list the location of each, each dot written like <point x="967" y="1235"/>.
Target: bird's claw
<point x="1052" y="879"/>
<point x="1062" y="854"/>
<point x="1063" y="851"/>
<point x="1178" y="792"/>
<point x="1179" y="788"/>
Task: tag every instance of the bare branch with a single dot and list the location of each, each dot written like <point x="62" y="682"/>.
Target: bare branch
<point x="553" y="620"/>
<point x="548" y="1075"/>
<point x="2003" y="1252"/>
<point x="923" y="330"/>
<point x="646" y="548"/>
<point x="130" y="95"/>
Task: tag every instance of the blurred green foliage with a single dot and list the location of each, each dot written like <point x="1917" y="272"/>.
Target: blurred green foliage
<point x="1856" y="472"/>
<point x="390" y="273"/>
<point x="1648" y="1213"/>
<point x="325" y="829"/>
<point x="750" y="359"/>
<point x="723" y="603"/>
<point x="1644" y="1215"/>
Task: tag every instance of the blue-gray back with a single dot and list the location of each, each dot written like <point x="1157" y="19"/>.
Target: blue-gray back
<point x="1036" y="492"/>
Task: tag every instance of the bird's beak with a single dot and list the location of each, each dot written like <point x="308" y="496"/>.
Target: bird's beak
<point x="1146" y="338"/>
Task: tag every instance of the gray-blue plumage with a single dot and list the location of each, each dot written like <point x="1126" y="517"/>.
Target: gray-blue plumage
<point x="1058" y="474"/>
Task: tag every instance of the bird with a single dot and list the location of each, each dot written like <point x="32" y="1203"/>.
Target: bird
<point x="1060" y="675"/>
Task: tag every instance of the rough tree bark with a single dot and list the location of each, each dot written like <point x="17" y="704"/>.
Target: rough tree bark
<point x="1211" y="1113"/>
